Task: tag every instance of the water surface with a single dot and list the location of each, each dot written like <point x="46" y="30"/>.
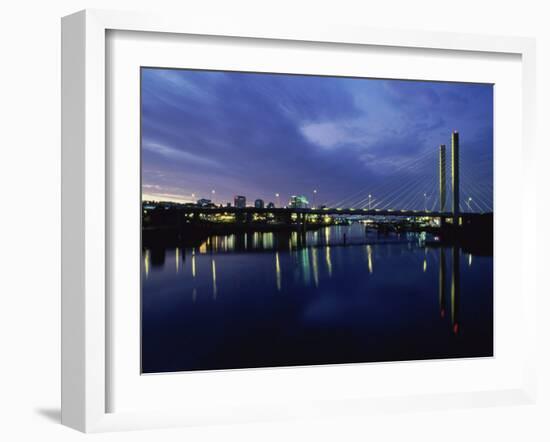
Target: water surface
<point x="341" y="294"/>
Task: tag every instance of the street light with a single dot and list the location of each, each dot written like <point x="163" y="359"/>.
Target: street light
<point x="314" y="195"/>
<point x="370" y="196"/>
<point x="468" y="202"/>
<point x="425" y="202"/>
<point x="277" y="200"/>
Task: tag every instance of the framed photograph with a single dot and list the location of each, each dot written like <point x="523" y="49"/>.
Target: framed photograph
<point x="270" y="199"/>
<point x="269" y="223"/>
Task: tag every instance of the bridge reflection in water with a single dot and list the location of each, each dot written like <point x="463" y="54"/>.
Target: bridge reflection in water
<point x="272" y="299"/>
<point x="454" y="284"/>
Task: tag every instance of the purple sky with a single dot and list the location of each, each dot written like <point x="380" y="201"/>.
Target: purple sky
<point x="260" y="134"/>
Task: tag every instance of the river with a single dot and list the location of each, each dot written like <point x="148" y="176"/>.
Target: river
<point x="341" y="294"/>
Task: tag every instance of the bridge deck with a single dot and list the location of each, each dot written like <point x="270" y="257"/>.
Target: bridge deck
<point x="325" y="211"/>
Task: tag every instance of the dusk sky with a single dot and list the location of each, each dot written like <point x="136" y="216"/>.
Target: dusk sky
<point x="260" y="134"/>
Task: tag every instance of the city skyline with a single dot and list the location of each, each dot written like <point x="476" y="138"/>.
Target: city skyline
<point x="215" y="135"/>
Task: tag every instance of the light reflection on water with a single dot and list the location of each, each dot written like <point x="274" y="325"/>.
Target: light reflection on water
<point x="369" y="297"/>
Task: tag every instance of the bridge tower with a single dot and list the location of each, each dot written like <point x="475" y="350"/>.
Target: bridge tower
<point x="442" y="178"/>
<point x="455" y="176"/>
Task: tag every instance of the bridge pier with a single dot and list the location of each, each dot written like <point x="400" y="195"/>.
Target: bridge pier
<point x="442" y="178"/>
<point x="442" y="182"/>
<point x="455" y="177"/>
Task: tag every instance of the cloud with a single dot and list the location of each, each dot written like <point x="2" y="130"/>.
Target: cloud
<point x="328" y="134"/>
<point x="170" y="197"/>
<point x="174" y="154"/>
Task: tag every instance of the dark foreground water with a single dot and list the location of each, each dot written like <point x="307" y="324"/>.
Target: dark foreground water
<point x="265" y="300"/>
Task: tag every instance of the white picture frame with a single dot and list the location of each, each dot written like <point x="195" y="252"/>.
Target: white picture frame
<point x="85" y="310"/>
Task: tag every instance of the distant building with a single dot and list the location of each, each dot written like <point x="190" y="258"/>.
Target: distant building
<point x="203" y="202"/>
<point x="240" y="202"/>
<point x="228" y="205"/>
<point x="259" y="204"/>
<point x="298" y="202"/>
<point x="270" y="205"/>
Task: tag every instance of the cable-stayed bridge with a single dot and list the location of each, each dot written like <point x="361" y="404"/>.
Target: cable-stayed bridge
<point x="439" y="183"/>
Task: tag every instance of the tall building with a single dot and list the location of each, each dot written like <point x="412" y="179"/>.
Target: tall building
<point x="240" y="202"/>
<point x="259" y="204"/>
<point x="298" y="202"/>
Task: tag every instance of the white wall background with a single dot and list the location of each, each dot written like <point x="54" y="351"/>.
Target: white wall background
<point x="30" y="216"/>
